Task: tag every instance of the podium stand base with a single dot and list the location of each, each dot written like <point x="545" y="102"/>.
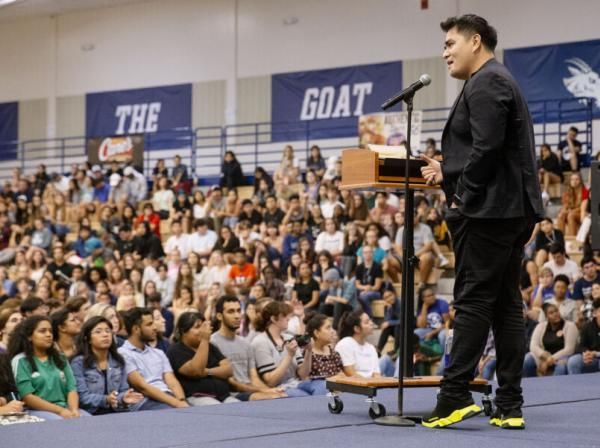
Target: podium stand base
<point x="397" y="420"/>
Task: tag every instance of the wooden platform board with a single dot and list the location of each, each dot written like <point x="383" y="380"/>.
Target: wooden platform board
<point x="389" y="383"/>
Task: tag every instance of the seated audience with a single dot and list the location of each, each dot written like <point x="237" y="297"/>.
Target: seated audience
<point x="279" y="360"/>
<point x="587" y="358"/>
<point x="569" y="216"/>
<point x="326" y="362"/>
<point x="552" y="342"/>
<point x="560" y="264"/>
<point x="200" y="367"/>
<point x="99" y="370"/>
<point x="9" y="319"/>
<point x="306" y="288"/>
<point x="567" y="307"/>
<point x="359" y="357"/>
<point x="245" y="382"/>
<point x="369" y="279"/>
<point x="43" y="377"/>
<point x="148" y="369"/>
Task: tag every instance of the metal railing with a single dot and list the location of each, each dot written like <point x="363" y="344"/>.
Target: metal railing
<point x="261" y="144"/>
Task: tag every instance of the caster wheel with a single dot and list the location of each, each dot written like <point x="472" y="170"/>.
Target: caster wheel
<point x="337" y="407"/>
<point x="488" y="407"/>
<point x="377" y="410"/>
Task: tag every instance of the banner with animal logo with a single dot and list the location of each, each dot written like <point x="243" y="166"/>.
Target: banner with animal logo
<point x="564" y="72"/>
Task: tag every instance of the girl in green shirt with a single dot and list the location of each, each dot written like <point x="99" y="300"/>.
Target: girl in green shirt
<point x="43" y="377"/>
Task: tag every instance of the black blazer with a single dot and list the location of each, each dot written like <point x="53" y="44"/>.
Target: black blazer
<point x="489" y="163"/>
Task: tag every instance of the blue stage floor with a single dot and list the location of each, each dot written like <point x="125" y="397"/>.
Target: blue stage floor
<point x="562" y="411"/>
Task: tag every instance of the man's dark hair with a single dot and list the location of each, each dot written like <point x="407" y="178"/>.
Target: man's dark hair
<point x="246" y="202"/>
<point x="154" y="298"/>
<point x="58" y="319"/>
<point x="588" y="259"/>
<point x="200" y="223"/>
<point x="574" y="129"/>
<point x="134" y="317"/>
<point x="225" y="299"/>
<point x="562" y="278"/>
<point x="30" y="304"/>
<point x="557" y="248"/>
<point x="473" y="24"/>
<point x="294" y="197"/>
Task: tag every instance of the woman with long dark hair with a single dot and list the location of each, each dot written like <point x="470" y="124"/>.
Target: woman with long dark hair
<point x="261" y="174"/>
<point x="326" y="361"/>
<point x="359" y="357"/>
<point x="231" y="171"/>
<point x="43" y="376"/>
<point x="8" y="390"/>
<point x="99" y="370"/>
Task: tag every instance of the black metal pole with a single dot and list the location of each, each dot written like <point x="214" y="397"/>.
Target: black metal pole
<point x="404" y="336"/>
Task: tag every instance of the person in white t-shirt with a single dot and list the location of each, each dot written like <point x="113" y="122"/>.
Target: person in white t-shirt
<point x="359" y="357"/>
<point x="178" y="240"/>
<point x="203" y="240"/>
<point x="560" y="264"/>
<point x="331" y="240"/>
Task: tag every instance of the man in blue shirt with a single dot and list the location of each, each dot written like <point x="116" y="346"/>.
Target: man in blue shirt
<point x="101" y="190"/>
<point x="148" y="369"/>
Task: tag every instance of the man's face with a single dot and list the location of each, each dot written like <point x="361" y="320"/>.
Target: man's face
<point x="147" y="329"/>
<point x="459" y="53"/>
<point x="231" y="316"/>
<point x="559" y="258"/>
<point x="589" y="270"/>
<point x="571" y="134"/>
<point x="240" y="259"/>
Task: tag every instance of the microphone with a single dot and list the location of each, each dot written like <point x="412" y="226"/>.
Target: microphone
<point x="423" y="81"/>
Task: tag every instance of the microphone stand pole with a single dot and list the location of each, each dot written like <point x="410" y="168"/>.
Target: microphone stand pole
<point x="403" y="336"/>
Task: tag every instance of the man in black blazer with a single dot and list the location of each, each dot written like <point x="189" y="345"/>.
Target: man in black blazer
<point x="489" y="176"/>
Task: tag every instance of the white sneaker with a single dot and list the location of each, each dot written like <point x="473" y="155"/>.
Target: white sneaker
<point x="545" y="198"/>
<point x="443" y="261"/>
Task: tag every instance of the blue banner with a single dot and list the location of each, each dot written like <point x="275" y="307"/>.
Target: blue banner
<point x="562" y="72"/>
<point x="327" y="103"/>
<point x="9" y="130"/>
<point x="158" y="111"/>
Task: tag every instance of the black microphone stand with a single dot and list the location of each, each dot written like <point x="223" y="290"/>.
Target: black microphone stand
<point x="403" y="336"/>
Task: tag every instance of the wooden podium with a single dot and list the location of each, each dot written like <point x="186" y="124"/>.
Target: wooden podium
<point x="363" y="169"/>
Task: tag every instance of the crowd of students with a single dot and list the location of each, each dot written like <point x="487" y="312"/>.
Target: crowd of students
<point x="119" y="297"/>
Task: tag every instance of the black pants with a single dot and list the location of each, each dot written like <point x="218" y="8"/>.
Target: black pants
<point x="384" y="336"/>
<point x="486" y="293"/>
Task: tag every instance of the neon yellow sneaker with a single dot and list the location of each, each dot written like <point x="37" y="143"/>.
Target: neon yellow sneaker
<point x="511" y="420"/>
<point x="445" y="415"/>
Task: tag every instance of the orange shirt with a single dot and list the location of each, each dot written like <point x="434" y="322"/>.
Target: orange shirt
<point x="239" y="275"/>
